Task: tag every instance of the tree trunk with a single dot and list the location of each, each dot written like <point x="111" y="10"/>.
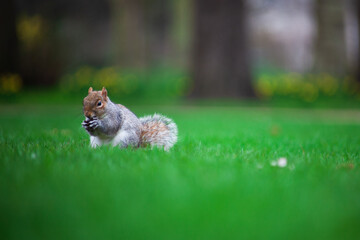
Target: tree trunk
<point x="221" y="61"/>
<point x="357" y="2"/>
<point x="330" y="52"/>
<point x="142" y="30"/>
<point x="182" y="33"/>
<point x="129" y="29"/>
<point x="158" y="22"/>
<point x="9" y="47"/>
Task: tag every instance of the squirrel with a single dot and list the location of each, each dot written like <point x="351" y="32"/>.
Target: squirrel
<point x="110" y="123"/>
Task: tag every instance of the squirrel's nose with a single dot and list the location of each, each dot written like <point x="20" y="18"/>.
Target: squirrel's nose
<point x="88" y="114"/>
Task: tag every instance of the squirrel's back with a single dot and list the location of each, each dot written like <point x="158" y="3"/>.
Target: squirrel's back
<point x="158" y="130"/>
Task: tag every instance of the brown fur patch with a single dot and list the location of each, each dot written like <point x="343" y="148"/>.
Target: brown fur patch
<point x="90" y="107"/>
<point x="151" y="130"/>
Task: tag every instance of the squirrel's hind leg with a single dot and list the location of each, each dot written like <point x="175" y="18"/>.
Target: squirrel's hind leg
<point x="124" y="138"/>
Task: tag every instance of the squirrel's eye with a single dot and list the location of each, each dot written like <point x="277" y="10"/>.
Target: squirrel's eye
<point x="99" y="103"/>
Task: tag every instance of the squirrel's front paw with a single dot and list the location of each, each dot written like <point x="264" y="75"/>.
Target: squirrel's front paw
<point x="90" y="124"/>
<point x="94" y="123"/>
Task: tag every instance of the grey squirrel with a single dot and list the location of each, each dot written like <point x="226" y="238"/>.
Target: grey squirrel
<point x="110" y="123"/>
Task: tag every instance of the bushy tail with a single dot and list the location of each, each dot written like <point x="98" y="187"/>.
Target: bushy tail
<point x="158" y="130"/>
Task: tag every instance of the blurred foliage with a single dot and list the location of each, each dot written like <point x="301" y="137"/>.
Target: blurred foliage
<point x="168" y="86"/>
<point x="307" y="87"/>
<point x="10" y="84"/>
<point x="30" y="30"/>
<point x="156" y="83"/>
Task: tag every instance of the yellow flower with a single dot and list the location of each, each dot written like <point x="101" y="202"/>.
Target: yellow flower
<point x="10" y="83"/>
<point x="106" y="77"/>
<point x="264" y="87"/>
<point x="30" y="29"/>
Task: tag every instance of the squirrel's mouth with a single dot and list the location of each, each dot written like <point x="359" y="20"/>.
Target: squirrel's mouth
<point x="88" y="119"/>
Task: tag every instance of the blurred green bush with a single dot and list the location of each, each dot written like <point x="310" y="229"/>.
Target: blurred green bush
<point x="165" y="84"/>
<point x="10" y="84"/>
<point x="307" y="87"/>
<point x="156" y="83"/>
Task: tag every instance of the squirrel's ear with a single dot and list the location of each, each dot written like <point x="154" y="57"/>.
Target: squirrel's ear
<point x="90" y="90"/>
<point x="104" y="93"/>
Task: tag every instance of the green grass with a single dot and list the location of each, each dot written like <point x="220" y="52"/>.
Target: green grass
<point x="217" y="182"/>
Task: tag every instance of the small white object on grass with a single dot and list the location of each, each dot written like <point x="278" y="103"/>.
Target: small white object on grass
<point x="282" y="162"/>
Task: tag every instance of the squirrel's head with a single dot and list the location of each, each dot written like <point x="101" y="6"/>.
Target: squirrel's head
<point x="95" y="102"/>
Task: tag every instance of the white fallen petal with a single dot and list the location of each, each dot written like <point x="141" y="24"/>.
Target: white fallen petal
<point x="282" y="162"/>
<point x="273" y="163"/>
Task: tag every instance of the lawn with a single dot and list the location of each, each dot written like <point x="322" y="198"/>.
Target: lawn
<point x="216" y="183"/>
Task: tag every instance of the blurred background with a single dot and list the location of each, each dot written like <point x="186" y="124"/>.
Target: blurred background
<point x="286" y="51"/>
